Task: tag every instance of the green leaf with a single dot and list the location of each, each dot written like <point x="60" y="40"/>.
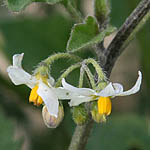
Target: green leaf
<point x="18" y="5"/>
<point x="86" y="34"/>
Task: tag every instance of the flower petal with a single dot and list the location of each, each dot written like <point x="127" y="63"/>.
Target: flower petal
<point x="118" y="87"/>
<point x="78" y="91"/>
<point x="51" y="81"/>
<point x="109" y="90"/>
<point x="49" y="98"/>
<point x="17" y="60"/>
<point x="135" y="88"/>
<point x="63" y="93"/>
<point x="19" y="76"/>
<point x="77" y="100"/>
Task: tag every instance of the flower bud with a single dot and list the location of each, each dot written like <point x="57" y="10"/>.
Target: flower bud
<point x="51" y="121"/>
<point x="80" y="114"/>
<point x="96" y="116"/>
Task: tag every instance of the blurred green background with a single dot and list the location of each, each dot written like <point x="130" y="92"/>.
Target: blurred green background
<point x="41" y="30"/>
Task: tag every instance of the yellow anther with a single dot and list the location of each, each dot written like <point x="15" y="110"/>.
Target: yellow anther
<point x="33" y="94"/>
<point x="104" y="105"/>
<point x="39" y="101"/>
<point x="34" y="97"/>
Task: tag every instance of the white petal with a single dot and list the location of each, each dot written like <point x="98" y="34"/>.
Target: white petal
<point x="78" y="91"/>
<point x="17" y="60"/>
<point x="51" y="81"/>
<point x="63" y="93"/>
<point x="109" y="90"/>
<point x="19" y="76"/>
<point x="77" y="100"/>
<point x="118" y="87"/>
<point x="135" y="88"/>
<point x="49" y="98"/>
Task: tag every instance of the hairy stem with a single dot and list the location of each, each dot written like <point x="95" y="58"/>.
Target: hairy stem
<point x="81" y="79"/>
<point x="57" y="56"/>
<point x="66" y="73"/>
<point x="101" y="75"/>
<point x="82" y="133"/>
<point x="90" y="76"/>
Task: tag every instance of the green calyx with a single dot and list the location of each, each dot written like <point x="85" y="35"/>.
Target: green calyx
<point x="98" y="118"/>
<point x="79" y="114"/>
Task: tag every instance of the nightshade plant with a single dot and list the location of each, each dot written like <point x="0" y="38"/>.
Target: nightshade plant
<point x="88" y="103"/>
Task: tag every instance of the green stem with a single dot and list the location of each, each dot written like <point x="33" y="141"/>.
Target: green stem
<point x="81" y="79"/>
<point x="90" y="76"/>
<point x="81" y="135"/>
<point x="45" y="65"/>
<point x="66" y="73"/>
<point x="101" y="75"/>
<point x="57" y="56"/>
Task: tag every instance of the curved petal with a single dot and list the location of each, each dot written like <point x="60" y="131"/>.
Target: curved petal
<point x="78" y="91"/>
<point x="19" y="76"/>
<point x="49" y="98"/>
<point x="118" y="87"/>
<point x="77" y="100"/>
<point x="109" y="90"/>
<point x="135" y="88"/>
<point x="17" y="60"/>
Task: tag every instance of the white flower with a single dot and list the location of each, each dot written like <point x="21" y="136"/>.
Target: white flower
<point x="41" y="91"/>
<point x="81" y="95"/>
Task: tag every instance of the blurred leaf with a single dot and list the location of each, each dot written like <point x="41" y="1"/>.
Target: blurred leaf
<point x="86" y="34"/>
<point x="7" y="134"/>
<point x="143" y="39"/>
<point x="18" y="5"/>
<point x="120" y="132"/>
<point x="37" y="38"/>
<point x="120" y="11"/>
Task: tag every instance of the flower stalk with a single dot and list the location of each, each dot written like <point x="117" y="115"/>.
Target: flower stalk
<point x="101" y="75"/>
<point x="90" y="76"/>
<point x="81" y="79"/>
<point x="66" y="73"/>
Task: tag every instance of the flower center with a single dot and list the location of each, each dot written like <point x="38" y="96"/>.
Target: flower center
<point x="34" y="97"/>
<point x="104" y="105"/>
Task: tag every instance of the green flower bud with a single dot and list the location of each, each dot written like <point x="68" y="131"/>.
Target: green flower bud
<point x="80" y="114"/>
<point x="96" y="116"/>
<point x="51" y="121"/>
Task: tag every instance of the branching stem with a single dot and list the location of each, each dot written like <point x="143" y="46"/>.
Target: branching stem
<point x="114" y="50"/>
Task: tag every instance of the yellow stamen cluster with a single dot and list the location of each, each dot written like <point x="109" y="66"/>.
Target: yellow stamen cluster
<point x="34" y="97"/>
<point x="104" y="106"/>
